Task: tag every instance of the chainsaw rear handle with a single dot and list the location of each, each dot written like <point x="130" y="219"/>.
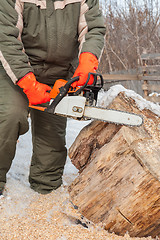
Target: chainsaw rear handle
<point x="62" y="93"/>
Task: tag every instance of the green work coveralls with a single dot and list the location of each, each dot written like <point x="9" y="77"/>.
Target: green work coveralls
<point x="44" y="37"/>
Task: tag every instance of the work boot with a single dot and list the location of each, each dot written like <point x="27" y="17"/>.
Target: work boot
<point x="1" y="192"/>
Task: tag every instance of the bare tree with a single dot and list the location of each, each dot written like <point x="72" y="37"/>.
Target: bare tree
<point x="131" y="29"/>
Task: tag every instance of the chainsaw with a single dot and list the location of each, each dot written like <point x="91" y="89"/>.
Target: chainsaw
<point x="80" y="103"/>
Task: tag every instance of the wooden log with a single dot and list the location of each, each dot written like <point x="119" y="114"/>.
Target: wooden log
<point x="150" y="56"/>
<point x="151" y="88"/>
<point x="154" y="98"/>
<point x="121" y="77"/>
<point x="119" y="181"/>
<point x="151" y="68"/>
<point x="150" y="78"/>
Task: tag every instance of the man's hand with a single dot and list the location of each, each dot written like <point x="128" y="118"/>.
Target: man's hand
<point x="35" y="91"/>
<point x="87" y="63"/>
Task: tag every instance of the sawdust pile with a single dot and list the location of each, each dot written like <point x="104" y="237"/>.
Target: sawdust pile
<point x="45" y="217"/>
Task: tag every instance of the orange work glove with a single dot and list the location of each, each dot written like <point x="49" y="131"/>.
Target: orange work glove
<point x="35" y="91"/>
<point x="87" y="63"/>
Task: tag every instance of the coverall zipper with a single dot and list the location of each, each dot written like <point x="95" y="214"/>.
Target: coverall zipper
<point x="51" y="30"/>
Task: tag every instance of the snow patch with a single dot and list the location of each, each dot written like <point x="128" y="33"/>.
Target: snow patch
<point x="106" y="97"/>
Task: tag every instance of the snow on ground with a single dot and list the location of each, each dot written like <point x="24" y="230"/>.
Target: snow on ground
<point x="22" y="210"/>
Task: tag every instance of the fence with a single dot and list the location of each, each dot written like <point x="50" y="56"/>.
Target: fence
<point x="145" y="81"/>
<point x="151" y="76"/>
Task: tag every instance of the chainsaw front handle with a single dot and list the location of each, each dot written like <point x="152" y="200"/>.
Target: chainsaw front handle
<point x="96" y="75"/>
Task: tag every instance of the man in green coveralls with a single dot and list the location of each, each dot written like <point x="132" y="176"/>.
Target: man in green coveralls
<point x="40" y="42"/>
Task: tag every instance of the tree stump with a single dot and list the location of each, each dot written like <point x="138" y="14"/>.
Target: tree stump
<point x="119" y="180"/>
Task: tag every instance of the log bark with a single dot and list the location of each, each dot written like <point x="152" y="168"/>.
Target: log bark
<point x="119" y="181"/>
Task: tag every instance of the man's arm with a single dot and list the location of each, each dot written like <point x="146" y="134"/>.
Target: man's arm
<point x="91" y="28"/>
<point x="12" y="54"/>
<point x="91" y="39"/>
